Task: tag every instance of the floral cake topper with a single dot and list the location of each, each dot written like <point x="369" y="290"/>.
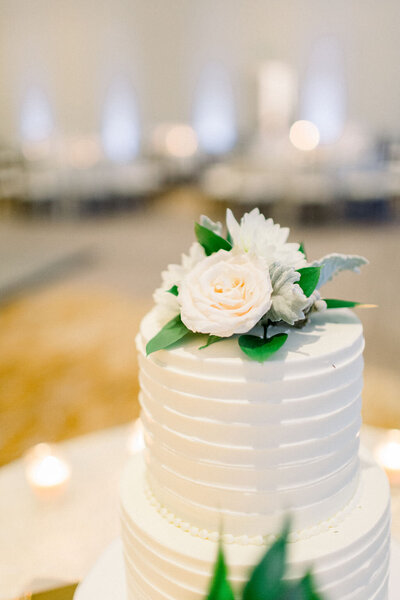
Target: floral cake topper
<point x="228" y="285"/>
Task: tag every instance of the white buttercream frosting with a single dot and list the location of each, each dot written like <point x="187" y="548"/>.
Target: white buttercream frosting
<point x="244" y="540"/>
<point x="238" y="443"/>
<point x="350" y="559"/>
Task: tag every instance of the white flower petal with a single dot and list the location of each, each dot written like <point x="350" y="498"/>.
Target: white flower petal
<point x="264" y="238"/>
<point x="167" y="305"/>
<point x="232" y="226"/>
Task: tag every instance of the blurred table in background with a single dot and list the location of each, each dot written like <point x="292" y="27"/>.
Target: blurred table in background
<point x="67" y="365"/>
<point x="47" y="543"/>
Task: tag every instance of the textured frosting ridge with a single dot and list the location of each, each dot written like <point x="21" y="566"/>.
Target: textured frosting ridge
<point x="350" y="559"/>
<point x="240" y="443"/>
<point x="244" y="540"/>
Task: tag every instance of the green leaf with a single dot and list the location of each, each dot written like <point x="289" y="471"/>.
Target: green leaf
<point x="211" y="242"/>
<point x="309" y="587"/>
<point x="302" y="249"/>
<point x="334" y="303"/>
<point x="304" y="589"/>
<point x="266" y="580"/>
<point x="261" y="349"/>
<point x="211" y="340"/>
<point x="172" y="332"/>
<point x="174" y="290"/>
<point x="220" y="588"/>
<point x="309" y="277"/>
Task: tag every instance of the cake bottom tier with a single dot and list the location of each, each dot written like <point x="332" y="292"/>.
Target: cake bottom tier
<point x="164" y="562"/>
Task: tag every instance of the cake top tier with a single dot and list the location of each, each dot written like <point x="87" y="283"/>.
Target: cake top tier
<point x="328" y="340"/>
<point x="248" y="284"/>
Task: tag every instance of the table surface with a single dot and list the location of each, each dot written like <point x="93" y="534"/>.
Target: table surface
<point x="45" y="544"/>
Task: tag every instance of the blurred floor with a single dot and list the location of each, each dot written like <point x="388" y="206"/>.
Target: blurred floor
<point x="67" y="357"/>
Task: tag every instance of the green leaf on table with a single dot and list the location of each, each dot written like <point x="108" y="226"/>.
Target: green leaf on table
<point x="172" y="332"/>
<point x="334" y="303"/>
<point x="261" y="349"/>
<point x="174" y="290"/>
<point x="211" y="340"/>
<point x="266" y="580"/>
<point x="220" y="588"/>
<point x="309" y="277"/>
<point x="304" y="589"/>
<point x="302" y="249"/>
<point x="211" y="242"/>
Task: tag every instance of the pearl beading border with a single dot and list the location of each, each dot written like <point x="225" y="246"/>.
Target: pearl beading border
<point x="245" y="540"/>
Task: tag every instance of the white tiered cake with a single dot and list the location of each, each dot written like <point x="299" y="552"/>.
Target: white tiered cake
<point x="235" y="445"/>
<point x="262" y="424"/>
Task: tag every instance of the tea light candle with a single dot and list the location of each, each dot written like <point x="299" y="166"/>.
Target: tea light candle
<point x="46" y="471"/>
<point x="387" y="454"/>
<point x="136" y="440"/>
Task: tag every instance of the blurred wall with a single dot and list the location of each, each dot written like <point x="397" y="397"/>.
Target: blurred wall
<point x="72" y="50"/>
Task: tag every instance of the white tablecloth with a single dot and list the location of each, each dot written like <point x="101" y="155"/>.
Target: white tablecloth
<point x="46" y="543"/>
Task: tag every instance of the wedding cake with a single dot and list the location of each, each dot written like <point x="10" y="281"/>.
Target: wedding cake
<point x="251" y="410"/>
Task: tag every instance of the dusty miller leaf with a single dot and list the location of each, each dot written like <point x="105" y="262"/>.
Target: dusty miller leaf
<point x="332" y="264"/>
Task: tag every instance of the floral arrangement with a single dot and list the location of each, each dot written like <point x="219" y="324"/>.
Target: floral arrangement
<point x="266" y="582"/>
<point x="249" y="279"/>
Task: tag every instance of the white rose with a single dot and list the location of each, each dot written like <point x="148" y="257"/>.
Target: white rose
<point x="225" y="293"/>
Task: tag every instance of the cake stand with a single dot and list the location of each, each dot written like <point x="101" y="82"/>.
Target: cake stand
<point x="106" y="579"/>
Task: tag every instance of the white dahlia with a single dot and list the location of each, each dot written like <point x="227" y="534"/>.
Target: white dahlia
<point x="264" y="238"/>
<point x="167" y="305"/>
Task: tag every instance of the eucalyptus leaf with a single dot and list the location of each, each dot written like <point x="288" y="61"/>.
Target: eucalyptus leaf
<point x="334" y="303"/>
<point x="309" y="277"/>
<point x="266" y="580"/>
<point x="261" y="349"/>
<point x="174" y="290"/>
<point x="172" y="332"/>
<point x="212" y="339"/>
<point x="220" y="588"/>
<point x="302" y="249"/>
<point x="211" y="242"/>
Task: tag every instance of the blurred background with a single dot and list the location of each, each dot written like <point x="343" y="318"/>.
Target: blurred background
<point x="122" y="121"/>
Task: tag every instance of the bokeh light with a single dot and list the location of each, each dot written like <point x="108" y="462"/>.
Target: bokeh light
<point x="304" y="135"/>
